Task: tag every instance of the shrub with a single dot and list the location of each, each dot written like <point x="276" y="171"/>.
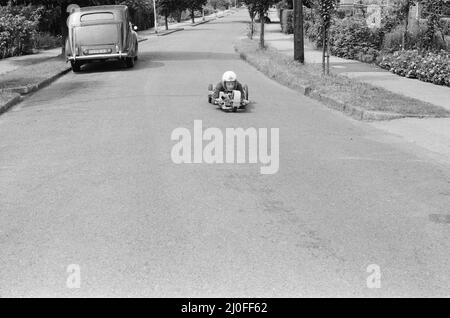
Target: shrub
<point x="45" y="40"/>
<point x="18" y="26"/>
<point x="393" y="40"/>
<point x="351" y="38"/>
<point x="445" y="23"/>
<point x="287" y="23"/>
<point x="429" y="67"/>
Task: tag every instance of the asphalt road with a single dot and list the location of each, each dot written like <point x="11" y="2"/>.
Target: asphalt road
<point x="86" y="178"/>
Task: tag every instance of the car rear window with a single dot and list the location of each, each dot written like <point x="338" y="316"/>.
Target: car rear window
<point x="97" y="16"/>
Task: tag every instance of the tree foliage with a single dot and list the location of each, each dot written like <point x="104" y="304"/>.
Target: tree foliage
<point x="260" y="7"/>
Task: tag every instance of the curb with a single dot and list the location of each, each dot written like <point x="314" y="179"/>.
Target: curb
<point x="353" y="111"/>
<point x="17" y="98"/>
<point x="170" y="32"/>
<point x="202" y="22"/>
<point x="142" y="40"/>
<point x="25" y="90"/>
<point x="304" y="89"/>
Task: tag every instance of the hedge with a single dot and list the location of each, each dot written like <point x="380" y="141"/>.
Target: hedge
<point x="18" y="26"/>
<point x="286" y="21"/>
<point x="428" y="67"/>
<point x="351" y="38"/>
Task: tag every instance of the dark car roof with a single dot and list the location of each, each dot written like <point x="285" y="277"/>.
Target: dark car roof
<point x="117" y="10"/>
<point x="104" y="8"/>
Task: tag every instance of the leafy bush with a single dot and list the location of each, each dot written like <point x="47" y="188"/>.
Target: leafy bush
<point x="141" y="13"/>
<point x="429" y="67"/>
<point x="445" y="23"/>
<point x="312" y="27"/>
<point x="393" y="40"/>
<point x="351" y="38"/>
<point x="287" y="18"/>
<point x="45" y="40"/>
<point x="18" y="26"/>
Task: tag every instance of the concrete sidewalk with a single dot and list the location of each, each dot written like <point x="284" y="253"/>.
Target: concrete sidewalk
<point x="367" y="73"/>
<point x="13" y="63"/>
<point x="433" y="134"/>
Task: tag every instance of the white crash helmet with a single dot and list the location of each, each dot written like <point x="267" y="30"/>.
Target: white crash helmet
<point x="229" y="77"/>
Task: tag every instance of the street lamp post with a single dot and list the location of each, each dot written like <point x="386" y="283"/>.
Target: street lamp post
<point x="156" y="16"/>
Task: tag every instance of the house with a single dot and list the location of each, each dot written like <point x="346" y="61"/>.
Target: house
<point x="371" y="9"/>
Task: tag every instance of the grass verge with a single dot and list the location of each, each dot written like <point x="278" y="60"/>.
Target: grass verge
<point x="33" y="74"/>
<point x="338" y="88"/>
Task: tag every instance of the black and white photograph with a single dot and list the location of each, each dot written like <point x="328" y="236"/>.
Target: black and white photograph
<point x="239" y="150"/>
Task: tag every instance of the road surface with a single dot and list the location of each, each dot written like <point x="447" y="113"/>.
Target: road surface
<point x="87" y="179"/>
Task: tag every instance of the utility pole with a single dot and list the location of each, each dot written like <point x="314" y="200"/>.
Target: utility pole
<point x="156" y="16"/>
<point x="299" y="45"/>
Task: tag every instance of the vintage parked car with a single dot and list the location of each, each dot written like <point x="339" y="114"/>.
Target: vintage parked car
<point x="101" y="33"/>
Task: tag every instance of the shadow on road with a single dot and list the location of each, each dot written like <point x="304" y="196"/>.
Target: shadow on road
<point x="230" y="22"/>
<point x="249" y="109"/>
<point x="119" y="66"/>
<point x="189" y="56"/>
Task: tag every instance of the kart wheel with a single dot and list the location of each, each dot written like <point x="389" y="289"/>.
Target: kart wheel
<point x="210" y="89"/>
<point x="246" y="92"/>
<point x="234" y="109"/>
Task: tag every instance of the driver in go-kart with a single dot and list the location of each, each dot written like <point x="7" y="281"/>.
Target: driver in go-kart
<point x="228" y="84"/>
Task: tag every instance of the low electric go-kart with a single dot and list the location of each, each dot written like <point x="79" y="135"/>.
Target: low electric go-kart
<point x="229" y="101"/>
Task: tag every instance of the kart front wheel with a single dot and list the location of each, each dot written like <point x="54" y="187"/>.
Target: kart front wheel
<point x="246" y="92"/>
<point x="210" y="89"/>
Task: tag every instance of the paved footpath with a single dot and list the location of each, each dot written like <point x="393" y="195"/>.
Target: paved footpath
<point x="371" y="74"/>
<point x="13" y="63"/>
<point x="431" y="134"/>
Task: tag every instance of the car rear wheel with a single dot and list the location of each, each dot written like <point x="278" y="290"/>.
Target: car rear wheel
<point x="76" y="67"/>
<point x="136" y="52"/>
<point x="129" y="62"/>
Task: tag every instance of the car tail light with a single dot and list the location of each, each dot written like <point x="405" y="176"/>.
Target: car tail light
<point x="117" y="48"/>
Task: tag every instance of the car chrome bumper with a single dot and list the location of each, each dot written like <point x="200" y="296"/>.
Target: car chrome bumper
<point x="97" y="57"/>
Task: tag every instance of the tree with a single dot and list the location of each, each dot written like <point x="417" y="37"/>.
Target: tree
<point x="223" y="4"/>
<point x="260" y="7"/>
<point x="252" y="12"/>
<point x="192" y="6"/>
<point x="401" y="9"/>
<point x="166" y="8"/>
<point x="434" y="9"/>
<point x="326" y="10"/>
